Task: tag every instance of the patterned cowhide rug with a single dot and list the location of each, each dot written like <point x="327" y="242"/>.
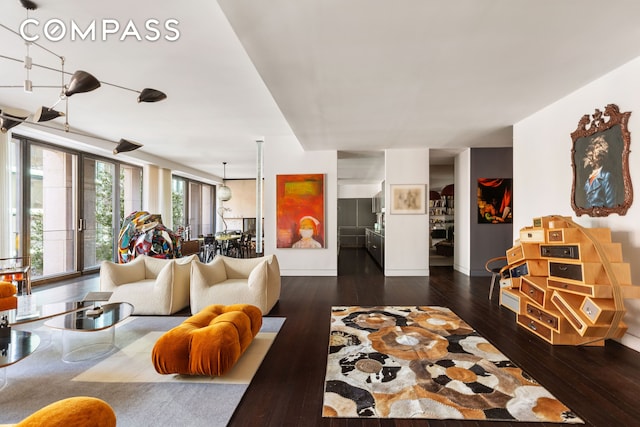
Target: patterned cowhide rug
<point x="426" y="362"/>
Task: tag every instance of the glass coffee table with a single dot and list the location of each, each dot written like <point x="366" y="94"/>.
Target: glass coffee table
<point x="89" y="332"/>
<point x="14" y="348"/>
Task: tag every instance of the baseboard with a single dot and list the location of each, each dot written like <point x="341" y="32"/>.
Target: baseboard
<point x="305" y="272"/>
<point x="399" y="272"/>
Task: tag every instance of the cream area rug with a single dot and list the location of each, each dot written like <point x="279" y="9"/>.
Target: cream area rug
<point x="426" y="362"/>
<point x="126" y="379"/>
<point x="133" y="364"/>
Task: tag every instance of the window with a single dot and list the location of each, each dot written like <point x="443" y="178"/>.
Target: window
<point x="193" y="208"/>
<point x="52" y="207"/>
<point x="65" y="207"/>
<point x="178" y="202"/>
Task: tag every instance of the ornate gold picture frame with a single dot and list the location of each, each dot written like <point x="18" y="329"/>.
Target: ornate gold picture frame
<point x="600" y="161"/>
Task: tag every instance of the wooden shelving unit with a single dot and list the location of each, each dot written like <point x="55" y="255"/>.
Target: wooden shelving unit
<point x="567" y="283"/>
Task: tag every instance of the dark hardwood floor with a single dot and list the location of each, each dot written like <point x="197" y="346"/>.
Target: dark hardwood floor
<point x="602" y="385"/>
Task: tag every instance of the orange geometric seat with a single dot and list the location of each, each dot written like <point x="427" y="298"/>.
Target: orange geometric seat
<point x="208" y="343"/>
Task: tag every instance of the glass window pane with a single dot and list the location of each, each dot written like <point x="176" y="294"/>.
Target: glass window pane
<point x="178" y="202"/>
<point x="15" y="201"/>
<point x="207" y="210"/>
<point x="52" y="211"/>
<point x="130" y="190"/>
<point x="195" y="208"/>
<point x="98" y="209"/>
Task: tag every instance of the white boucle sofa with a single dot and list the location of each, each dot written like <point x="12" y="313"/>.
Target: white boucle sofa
<point x="154" y="286"/>
<point x="227" y="280"/>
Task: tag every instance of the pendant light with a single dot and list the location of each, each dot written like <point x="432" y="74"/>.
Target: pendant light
<point x="125" y="145"/>
<point x="224" y="192"/>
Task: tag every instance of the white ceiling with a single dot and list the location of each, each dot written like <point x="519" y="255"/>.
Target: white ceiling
<point x="354" y="76"/>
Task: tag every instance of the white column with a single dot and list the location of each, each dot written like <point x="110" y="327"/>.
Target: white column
<point x="150" y="184"/>
<point x="156" y="193"/>
<point x="164" y="197"/>
<point x="259" y="178"/>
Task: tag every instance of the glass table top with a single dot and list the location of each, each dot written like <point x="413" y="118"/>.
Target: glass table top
<point x="17" y="347"/>
<point x="36" y="313"/>
<point x="84" y="320"/>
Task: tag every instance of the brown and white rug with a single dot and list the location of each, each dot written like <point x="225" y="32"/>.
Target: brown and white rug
<point x="426" y="362"/>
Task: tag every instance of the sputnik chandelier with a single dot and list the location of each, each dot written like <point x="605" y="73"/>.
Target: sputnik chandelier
<point x="79" y="82"/>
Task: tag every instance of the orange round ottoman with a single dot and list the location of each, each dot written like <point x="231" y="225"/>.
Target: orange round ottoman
<point x="209" y="342"/>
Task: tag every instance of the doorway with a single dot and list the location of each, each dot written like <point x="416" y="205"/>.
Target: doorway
<point x="441" y="208"/>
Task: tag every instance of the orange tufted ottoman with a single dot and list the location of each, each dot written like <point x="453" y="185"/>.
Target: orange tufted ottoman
<point x="208" y="343"/>
<point x="8" y="299"/>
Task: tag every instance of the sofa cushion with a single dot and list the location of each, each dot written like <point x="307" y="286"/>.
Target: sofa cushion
<point x="154" y="267"/>
<point x="210" y="273"/>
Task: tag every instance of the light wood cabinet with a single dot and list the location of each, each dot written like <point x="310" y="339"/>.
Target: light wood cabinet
<point x="566" y="283"/>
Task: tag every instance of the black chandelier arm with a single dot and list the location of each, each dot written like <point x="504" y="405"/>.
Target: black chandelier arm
<point x="46" y="67"/>
<point x="121" y="146"/>
<point x="33" y="42"/>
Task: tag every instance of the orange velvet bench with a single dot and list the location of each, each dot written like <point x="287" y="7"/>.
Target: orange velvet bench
<point x="208" y="343"/>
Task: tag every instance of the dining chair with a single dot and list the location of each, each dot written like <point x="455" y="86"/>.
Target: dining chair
<point x="245" y="245"/>
<point x="495" y="266"/>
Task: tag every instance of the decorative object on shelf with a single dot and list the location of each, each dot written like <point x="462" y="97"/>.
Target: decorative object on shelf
<point x="223" y="192"/>
<point x="567" y="283"/>
<point x="300" y="211"/>
<point x="600" y="161"/>
<point x="495" y="201"/>
<point x="408" y="199"/>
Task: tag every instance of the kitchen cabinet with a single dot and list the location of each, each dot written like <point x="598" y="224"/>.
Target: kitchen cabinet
<point x="375" y="245"/>
<point x="354" y="216"/>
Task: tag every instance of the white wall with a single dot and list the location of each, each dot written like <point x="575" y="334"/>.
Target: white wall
<point x="543" y="174"/>
<point x="406" y="246"/>
<point x="462" y="213"/>
<point x="357" y="191"/>
<point x="243" y="198"/>
<point x="284" y="156"/>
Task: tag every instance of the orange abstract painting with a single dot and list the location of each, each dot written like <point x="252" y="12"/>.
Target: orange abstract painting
<point x="300" y="211"/>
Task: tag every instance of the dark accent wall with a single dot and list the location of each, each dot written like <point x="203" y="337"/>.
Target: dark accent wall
<point x="488" y="240"/>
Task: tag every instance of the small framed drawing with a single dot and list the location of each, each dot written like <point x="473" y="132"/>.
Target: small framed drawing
<point x="408" y="199"/>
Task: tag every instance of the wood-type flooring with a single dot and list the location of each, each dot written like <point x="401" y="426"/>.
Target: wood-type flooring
<point x="601" y="385"/>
